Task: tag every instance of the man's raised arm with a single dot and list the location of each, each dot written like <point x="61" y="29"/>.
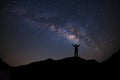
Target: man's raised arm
<point x="73" y="45"/>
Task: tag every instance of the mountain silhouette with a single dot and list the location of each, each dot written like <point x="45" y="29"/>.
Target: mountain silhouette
<point x="34" y="70"/>
<point x="3" y="65"/>
<point x="5" y="73"/>
<point x="68" y="60"/>
<point x="114" y="59"/>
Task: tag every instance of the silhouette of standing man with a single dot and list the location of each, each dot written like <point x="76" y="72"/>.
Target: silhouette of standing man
<point x="76" y="49"/>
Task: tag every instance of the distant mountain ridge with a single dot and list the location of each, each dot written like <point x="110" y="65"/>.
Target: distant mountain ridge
<point x="68" y="60"/>
<point x="114" y="59"/>
<point x="34" y="70"/>
<point x="3" y="65"/>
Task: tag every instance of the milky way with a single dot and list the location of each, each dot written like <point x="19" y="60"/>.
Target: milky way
<point x="69" y="30"/>
<point x="38" y="29"/>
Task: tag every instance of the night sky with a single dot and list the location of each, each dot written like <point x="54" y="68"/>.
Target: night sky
<point x="34" y="30"/>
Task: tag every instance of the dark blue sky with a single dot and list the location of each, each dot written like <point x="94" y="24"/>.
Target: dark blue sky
<point x="34" y="30"/>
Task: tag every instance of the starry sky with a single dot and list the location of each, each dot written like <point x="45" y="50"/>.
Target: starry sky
<point x="34" y="30"/>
